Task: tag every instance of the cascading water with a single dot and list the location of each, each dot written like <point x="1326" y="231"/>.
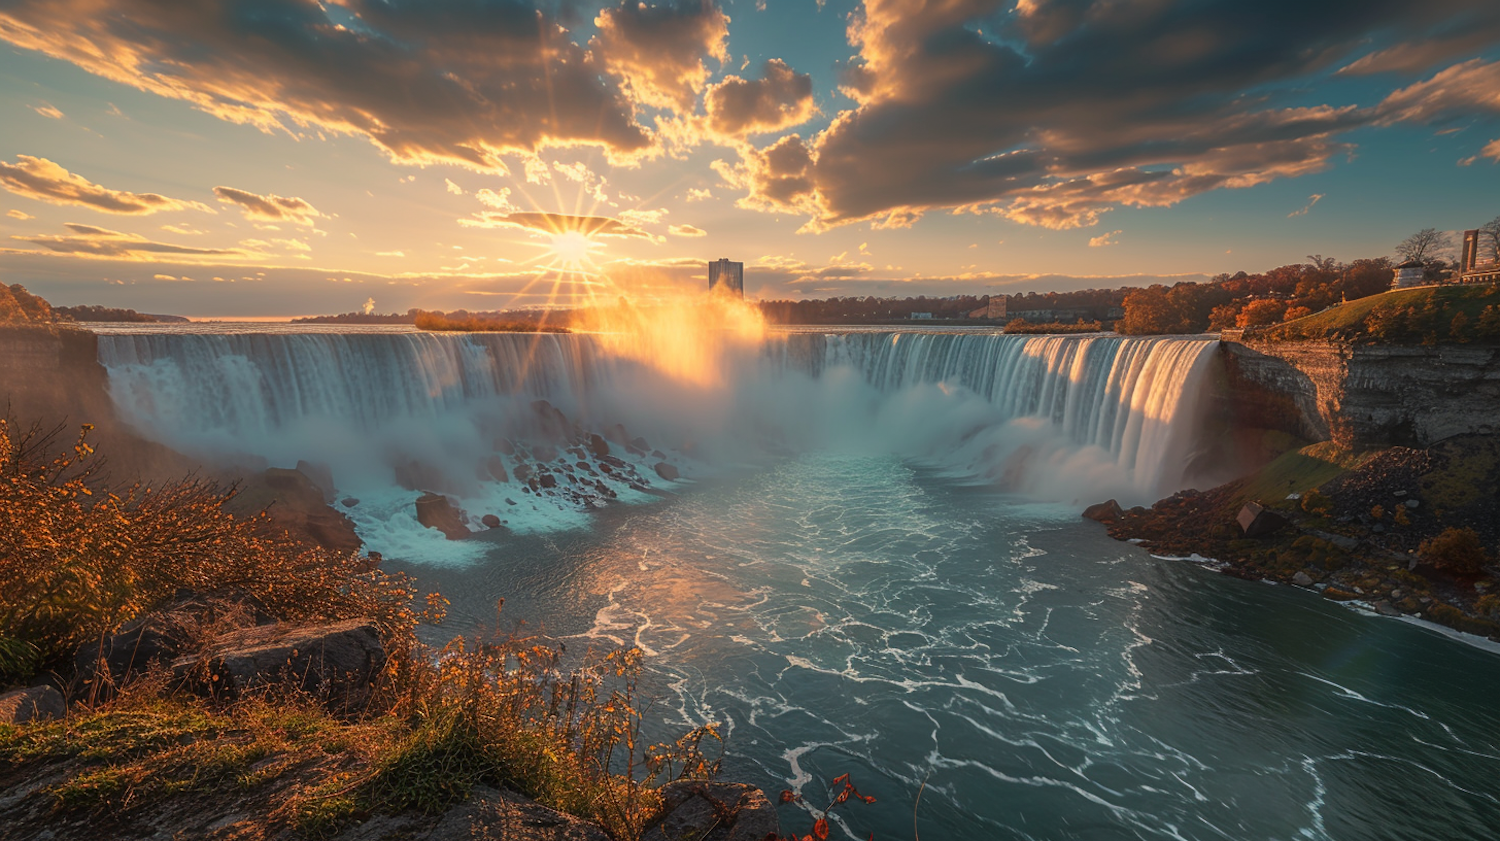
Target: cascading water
<point x="1067" y="418"/>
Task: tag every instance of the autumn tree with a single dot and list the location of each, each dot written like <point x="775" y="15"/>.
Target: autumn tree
<point x="1261" y="313"/>
<point x="1423" y="244"/>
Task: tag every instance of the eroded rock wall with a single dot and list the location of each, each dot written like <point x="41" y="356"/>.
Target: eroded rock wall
<point x="1363" y="396"/>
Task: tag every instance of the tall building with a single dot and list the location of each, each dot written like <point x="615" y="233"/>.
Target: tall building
<point x="730" y="275"/>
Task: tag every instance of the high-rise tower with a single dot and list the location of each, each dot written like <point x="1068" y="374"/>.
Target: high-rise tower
<point x="730" y="275"/>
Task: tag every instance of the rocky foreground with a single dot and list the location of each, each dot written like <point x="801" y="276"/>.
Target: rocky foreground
<point x="1407" y="531"/>
<point x="228" y="744"/>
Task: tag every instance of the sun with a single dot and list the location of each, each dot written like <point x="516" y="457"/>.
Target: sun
<point x="571" y="250"/>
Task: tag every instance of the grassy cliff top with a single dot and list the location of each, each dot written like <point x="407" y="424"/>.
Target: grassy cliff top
<point x="1429" y="315"/>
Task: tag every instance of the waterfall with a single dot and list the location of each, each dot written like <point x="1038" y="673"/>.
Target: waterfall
<point x="1067" y="418"/>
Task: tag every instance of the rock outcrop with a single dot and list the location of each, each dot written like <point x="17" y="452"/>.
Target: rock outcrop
<point x="666" y="471"/>
<point x="714" y="811"/>
<point x="39" y="703"/>
<point x="436" y="511"/>
<point x="1365" y="395"/>
<point x="339" y="661"/>
<point x="297" y="504"/>
<point x="1104" y="512"/>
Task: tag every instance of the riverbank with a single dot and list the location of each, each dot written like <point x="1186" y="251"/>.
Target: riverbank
<point x="1402" y="529"/>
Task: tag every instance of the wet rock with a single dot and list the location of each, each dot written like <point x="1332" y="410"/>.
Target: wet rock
<point x="509" y="501"/>
<point x="496" y="466"/>
<point x="321" y="475"/>
<point x="598" y="446"/>
<point x="616" y="433"/>
<point x="1104" y="512"/>
<point x="505" y="447"/>
<point x="39" y="703"/>
<point x="1255" y="520"/>
<point x="436" y="511"/>
<point x="1412" y="503"/>
<point x="1385" y="608"/>
<point x="548" y="480"/>
<point x="490" y="521"/>
<point x="523" y="472"/>
<point x="1302" y="579"/>
<point x="658" y="454"/>
<point x="340" y="661"/>
<point x="348" y="502"/>
<point x="544" y="452"/>
<point x="1339" y="594"/>
<point x="666" y="471"/>
<point x="714" y="811"/>
<point x="297" y="505"/>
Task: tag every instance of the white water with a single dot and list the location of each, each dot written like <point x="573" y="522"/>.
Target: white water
<point x="1073" y="419"/>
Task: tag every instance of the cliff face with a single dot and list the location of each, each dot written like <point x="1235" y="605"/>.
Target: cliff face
<point x="1365" y="395"/>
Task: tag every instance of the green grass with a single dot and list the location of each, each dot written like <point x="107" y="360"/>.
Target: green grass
<point x="1350" y="320"/>
<point x="1298" y="471"/>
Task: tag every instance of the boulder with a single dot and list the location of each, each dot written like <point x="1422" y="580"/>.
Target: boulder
<point x="496" y="467"/>
<point x="639" y="443"/>
<point x="598" y="446"/>
<point x="436" y="511"/>
<point x="1302" y="579"/>
<point x="505" y="447"/>
<point x="666" y="471"/>
<point x="340" y="661"/>
<point x="297" y="505"/>
<point x="321" y="475"/>
<point x="157" y="637"/>
<point x="348" y="502"/>
<point x="39" y="703"/>
<point x="714" y="811"/>
<point x="616" y="433"/>
<point x="1104" y="512"/>
<point x="490" y="521"/>
<point x="523" y="472"/>
<point x="547" y="480"/>
<point x="1258" y="521"/>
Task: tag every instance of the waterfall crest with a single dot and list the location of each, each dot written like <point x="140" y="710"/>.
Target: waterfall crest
<point x="1056" y="417"/>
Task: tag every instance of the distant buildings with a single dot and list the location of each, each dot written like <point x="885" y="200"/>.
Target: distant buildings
<point x="993" y="310"/>
<point x="730" y="275"/>
<point x="1473" y="268"/>
<point x="920" y="316"/>
<point x="1409" y="274"/>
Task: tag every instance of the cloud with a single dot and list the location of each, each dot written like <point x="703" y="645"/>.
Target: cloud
<point x="1458" y="91"/>
<point x="271" y="208"/>
<point x="94" y="242"/>
<point x="695" y="194"/>
<point x="464" y="82"/>
<point x="453" y="188"/>
<point x="1104" y="240"/>
<point x="687" y="231"/>
<point x="556" y="223"/>
<point x="182" y="230"/>
<point x="1055" y="112"/>
<point x="19" y="214"/>
<point x="780" y="99"/>
<point x="49" y="111"/>
<point x="1311" y="200"/>
<point x="390" y="254"/>
<point x="658" y="50"/>
<point x="172" y="278"/>
<point x="43" y="180"/>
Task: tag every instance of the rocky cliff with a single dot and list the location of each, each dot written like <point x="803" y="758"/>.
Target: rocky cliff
<point x="1364" y="395"/>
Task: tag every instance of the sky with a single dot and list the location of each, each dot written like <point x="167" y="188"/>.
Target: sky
<point x="290" y="157"/>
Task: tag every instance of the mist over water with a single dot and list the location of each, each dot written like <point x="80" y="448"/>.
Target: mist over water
<point x="875" y="566"/>
<point x="1075" y="419"/>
